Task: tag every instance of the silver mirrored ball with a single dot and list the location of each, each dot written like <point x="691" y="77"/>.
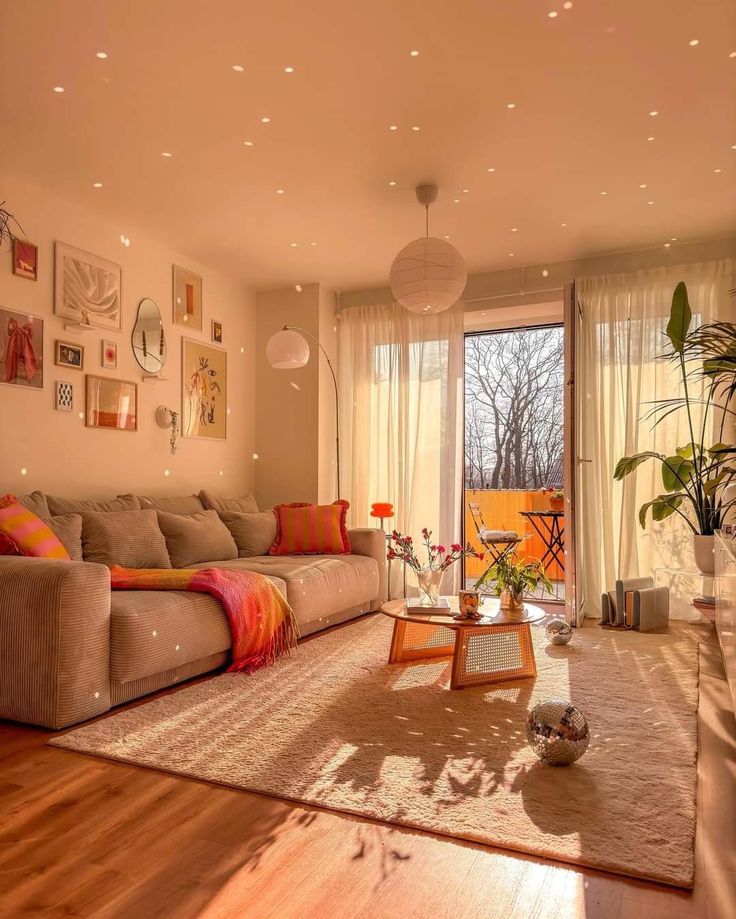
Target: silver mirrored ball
<point x="558" y="732"/>
<point x="558" y="631"/>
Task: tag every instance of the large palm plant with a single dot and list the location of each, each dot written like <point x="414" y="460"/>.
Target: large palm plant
<point x="695" y="476"/>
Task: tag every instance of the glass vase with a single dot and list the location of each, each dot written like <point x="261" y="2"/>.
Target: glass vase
<point x="429" y="581"/>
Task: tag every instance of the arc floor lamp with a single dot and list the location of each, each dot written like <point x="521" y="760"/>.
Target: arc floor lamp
<point x="289" y="350"/>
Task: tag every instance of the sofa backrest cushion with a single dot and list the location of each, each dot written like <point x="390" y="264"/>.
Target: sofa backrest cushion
<point x="68" y="530"/>
<point x="35" y="502"/>
<point x="173" y="504"/>
<point x="311" y="529"/>
<point x="254" y="534"/>
<point x="201" y="537"/>
<point x="83" y="505"/>
<point x="27" y="532"/>
<point x="245" y="505"/>
<point x="128" y="538"/>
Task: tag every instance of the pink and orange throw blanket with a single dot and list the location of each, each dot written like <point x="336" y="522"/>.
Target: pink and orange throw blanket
<point x="262" y="623"/>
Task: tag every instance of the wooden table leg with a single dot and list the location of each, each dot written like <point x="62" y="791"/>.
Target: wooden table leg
<point x="492" y="654"/>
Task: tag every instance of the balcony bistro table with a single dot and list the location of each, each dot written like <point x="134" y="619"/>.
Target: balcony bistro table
<point x="550" y="527"/>
<point x="495" y="648"/>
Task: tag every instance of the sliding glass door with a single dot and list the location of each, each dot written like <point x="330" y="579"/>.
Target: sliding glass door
<point x="513" y="449"/>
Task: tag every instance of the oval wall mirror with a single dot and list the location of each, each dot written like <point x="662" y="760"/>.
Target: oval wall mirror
<point x="148" y="339"/>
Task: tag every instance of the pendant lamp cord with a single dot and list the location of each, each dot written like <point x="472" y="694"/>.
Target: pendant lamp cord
<point x="426" y="220"/>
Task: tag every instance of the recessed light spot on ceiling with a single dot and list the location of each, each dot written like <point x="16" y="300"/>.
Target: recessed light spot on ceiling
<point x="732" y="54"/>
<point x="694" y="42"/>
<point x="717" y="170"/>
<point x="673" y="239"/>
<point x="456" y="201"/>
<point x="653" y="113"/>
<point x="392" y="183"/>
<point x="514" y="229"/>
<point x="248" y="143"/>
<point x="545" y="272"/>
<point x="298" y="288"/>
<point x="280" y="191"/>
<point x="265" y="120"/>
<point x="643" y="185"/>
<point x="567" y="5"/>
<point x="288" y="70"/>
<point x="733" y="146"/>
<point x="491" y="169"/>
<point x="97" y="185"/>
<point x="511" y="254"/>
<point x="167" y="155"/>
<point x="313" y="244"/>
<point x="393" y="127"/>
<point x="650" y="202"/>
<point x="293" y="245"/>
<point x="510" y="105"/>
<point x="465" y="191"/>
<point x="667" y="245"/>
<point x="604" y="193"/>
<point x="447" y="236"/>
<point x="414" y="53"/>
<point x="563" y="225"/>
<point x="101" y="55"/>
<point x="552" y="14"/>
<point x="58" y="89"/>
<point x="238" y="68"/>
<point x="415" y="127"/>
<point x="650" y="139"/>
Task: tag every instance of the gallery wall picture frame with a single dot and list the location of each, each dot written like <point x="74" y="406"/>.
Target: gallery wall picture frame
<point x="203" y="390"/>
<point x="63" y="396"/>
<point x="21" y="349"/>
<point x="108" y="354"/>
<point x="25" y="259"/>
<point x="217" y="331"/>
<point x="87" y="288"/>
<point x="187" y="297"/>
<point x="110" y="403"/>
<point x="69" y="354"/>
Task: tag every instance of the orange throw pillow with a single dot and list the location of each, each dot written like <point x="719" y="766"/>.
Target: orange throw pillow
<point x="311" y="529"/>
<point x="28" y="533"/>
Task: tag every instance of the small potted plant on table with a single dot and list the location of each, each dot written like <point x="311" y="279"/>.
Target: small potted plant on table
<point x="511" y="578"/>
<point x="556" y="498"/>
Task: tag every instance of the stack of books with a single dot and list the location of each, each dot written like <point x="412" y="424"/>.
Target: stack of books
<point x="636" y="604"/>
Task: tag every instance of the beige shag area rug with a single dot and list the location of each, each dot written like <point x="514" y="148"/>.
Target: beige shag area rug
<point x="336" y="726"/>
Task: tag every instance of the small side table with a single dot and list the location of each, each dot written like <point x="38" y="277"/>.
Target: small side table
<point x="493" y="649"/>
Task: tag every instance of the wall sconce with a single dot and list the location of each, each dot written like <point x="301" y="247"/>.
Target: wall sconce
<point x="166" y="418"/>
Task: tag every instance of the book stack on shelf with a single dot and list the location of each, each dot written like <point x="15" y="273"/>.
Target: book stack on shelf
<point x="636" y="604"/>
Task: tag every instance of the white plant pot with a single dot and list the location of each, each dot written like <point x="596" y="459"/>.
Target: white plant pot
<point x="704" y="553"/>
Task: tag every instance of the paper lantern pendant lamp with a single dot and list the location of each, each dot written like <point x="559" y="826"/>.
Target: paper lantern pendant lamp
<point x="428" y="275"/>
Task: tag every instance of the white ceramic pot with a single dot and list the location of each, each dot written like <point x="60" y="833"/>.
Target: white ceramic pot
<point x="704" y="553"/>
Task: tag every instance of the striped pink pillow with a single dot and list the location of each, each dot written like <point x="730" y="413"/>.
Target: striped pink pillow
<point x="27" y="532"/>
<point x="311" y="529"/>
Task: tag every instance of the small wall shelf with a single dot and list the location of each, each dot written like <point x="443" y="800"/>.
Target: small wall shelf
<point x="79" y="327"/>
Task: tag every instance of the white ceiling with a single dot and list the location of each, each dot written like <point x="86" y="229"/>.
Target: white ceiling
<point x="583" y="84"/>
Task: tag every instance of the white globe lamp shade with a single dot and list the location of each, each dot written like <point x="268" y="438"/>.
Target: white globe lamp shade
<point x="428" y="275"/>
<point x="287" y="350"/>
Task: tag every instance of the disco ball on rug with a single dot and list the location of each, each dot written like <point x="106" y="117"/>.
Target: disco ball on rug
<point x="558" y="732"/>
<point x="558" y="631"/>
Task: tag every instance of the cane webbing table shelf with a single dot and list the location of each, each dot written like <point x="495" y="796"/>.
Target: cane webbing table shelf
<point x="489" y="650"/>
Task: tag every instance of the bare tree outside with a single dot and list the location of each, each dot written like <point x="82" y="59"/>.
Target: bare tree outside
<point x="514" y="409"/>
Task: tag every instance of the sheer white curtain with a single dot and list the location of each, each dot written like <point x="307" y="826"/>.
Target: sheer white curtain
<point x="619" y="372"/>
<point x="400" y="379"/>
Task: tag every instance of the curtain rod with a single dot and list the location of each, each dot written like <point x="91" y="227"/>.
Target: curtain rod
<point x="518" y="293"/>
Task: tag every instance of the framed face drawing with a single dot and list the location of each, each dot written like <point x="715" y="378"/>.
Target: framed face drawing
<point x="203" y="390"/>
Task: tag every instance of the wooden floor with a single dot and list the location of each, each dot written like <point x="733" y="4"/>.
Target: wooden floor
<point x="81" y="836"/>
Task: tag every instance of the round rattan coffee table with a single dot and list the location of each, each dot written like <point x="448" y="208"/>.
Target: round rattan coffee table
<point x="493" y="649"/>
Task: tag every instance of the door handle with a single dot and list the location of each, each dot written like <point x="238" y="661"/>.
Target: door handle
<point x="581" y="460"/>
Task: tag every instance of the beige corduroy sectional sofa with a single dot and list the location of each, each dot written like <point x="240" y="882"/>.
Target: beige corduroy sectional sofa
<point x="70" y="648"/>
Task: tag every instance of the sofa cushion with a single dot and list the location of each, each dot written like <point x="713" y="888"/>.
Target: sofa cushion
<point x="318" y="586"/>
<point x="59" y="506"/>
<point x="128" y="538"/>
<point x="245" y="505"/>
<point x="27" y="533"/>
<point x="201" y="537"/>
<point x="152" y="631"/>
<point x="68" y="530"/>
<point x="35" y="502"/>
<point x="311" y="529"/>
<point x="254" y="534"/>
<point x="173" y="504"/>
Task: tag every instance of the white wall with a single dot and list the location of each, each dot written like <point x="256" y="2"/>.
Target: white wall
<point x="60" y="454"/>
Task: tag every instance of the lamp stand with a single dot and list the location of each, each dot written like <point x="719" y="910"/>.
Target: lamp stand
<point x="303" y="331"/>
